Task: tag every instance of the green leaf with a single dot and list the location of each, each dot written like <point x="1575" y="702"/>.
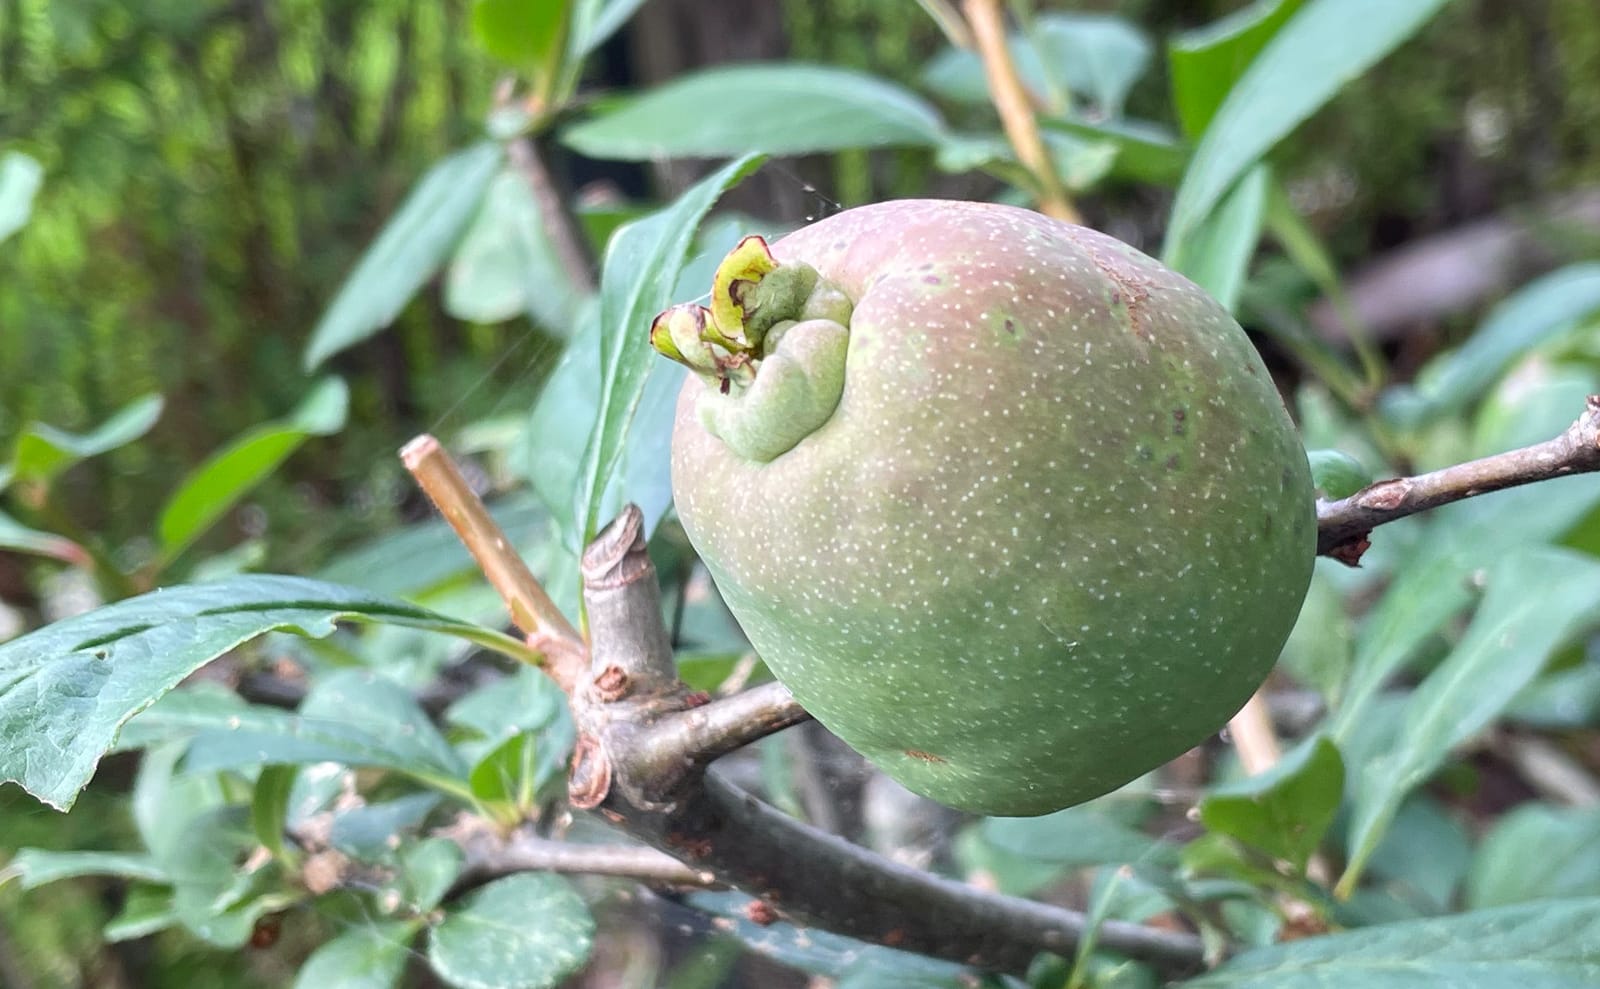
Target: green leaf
<point x="419" y="559"/>
<point x="596" y="20"/>
<point x="1286" y="810"/>
<point x="1325" y="45"/>
<point x="225" y="477"/>
<point x="641" y="271"/>
<point x="1542" y="309"/>
<point x="529" y="36"/>
<point x="368" y="832"/>
<point x="351" y="717"/>
<point x="525" y="701"/>
<point x="1337" y="474"/>
<point x="1216" y="256"/>
<point x="20" y="178"/>
<point x="1076" y="836"/>
<point x="214" y="895"/>
<point x="1552" y="945"/>
<point x="1537" y="852"/>
<point x="43" y="451"/>
<point x="1205" y="63"/>
<point x="1536" y="599"/>
<point x="1318" y="652"/>
<point x="269" y="808"/>
<point x="505" y="779"/>
<point x="409" y="250"/>
<point x="1423" y="857"/>
<point x="34" y="867"/>
<point x="778" y="108"/>
<point x="1145" y="152"/>
<point x="526" y="931"/>
<point x="366" y="956"/>
<point x="1094" y="57"/>
<point x="1097" y="56"/>
<point x="66" y="689"/>
<point x="428" y="868"/>
<point x="18" y="538"/>
<point x="145" y="910"/>
<point x="507" y="264"/>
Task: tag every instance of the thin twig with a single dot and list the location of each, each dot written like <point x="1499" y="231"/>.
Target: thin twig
<point x="1016" y="112"/>
<point x="1253" y="736"/>
<point x="531" y="609"/>
<point x="702" y="734"/>
<point x="570" y="248"/>
<point x="1343" y="525"/>
<point x="489" y="857"/>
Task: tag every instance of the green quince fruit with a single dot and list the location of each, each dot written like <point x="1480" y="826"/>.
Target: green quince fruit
<point x="1013" y="509"/>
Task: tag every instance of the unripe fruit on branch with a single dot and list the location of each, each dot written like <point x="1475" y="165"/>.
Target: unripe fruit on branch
<point x="1011" y="508"/>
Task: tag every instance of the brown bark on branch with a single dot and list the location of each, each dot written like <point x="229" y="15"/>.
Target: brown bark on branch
<point x="1343" y="525"/>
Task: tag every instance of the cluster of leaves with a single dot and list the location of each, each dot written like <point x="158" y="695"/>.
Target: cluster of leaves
<point x="1477" y="625"/>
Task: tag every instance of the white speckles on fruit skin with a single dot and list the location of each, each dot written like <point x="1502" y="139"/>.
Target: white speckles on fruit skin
<point x="1056" y="531"/>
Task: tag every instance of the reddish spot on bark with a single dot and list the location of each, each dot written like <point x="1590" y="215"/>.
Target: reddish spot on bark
<point x="1349" y="553"/>
<point x="696" y="698"/>
<point x="265" y="933"/>
<point x="611" y="683"/>
<point x="589" y="782"/>
<point x="895" y="937"/>
<point x="925" y="756"/>
<point x="760" y="912"/>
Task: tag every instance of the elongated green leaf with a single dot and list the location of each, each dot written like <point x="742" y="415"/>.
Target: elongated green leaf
<point x="1337" y="474"/>
<point x="228" y="475"/>
<point x="526" y="36"/>
<point x="351" y="717"/>
<point x="1537" y="852"/>
<point x="1325" y="45"/>
<point x="507" y="264"/>
<point x="18" y="538"/>
<point x="67" y="689"/>
<point x="527" y="931"/>
<point x="367" y="956"/>
<point x="34" y="867"/>
<point x="269" y="808"/>
<point x="1535" y="600"/>
<point x="1094" y="57"/>
<point x="408" y="252"/>
<point x="641" y="271"/>
<point x="1286" y="810"/>
<point x="418" y="559"/>
<point x="778" y="108"/>
<point x="145" y="910"/>
<point x="1552" y="945"/>
<point x="596" y="20"/>
<point x="1146" y="152"/>
<point x="20" y="178"/>
<point x="427" y="870"/>
<point x="43" y="451"/>
<point x="1217" y="255"/>
<point x="1205" y="63"/>
<point x="1535" y="313"/>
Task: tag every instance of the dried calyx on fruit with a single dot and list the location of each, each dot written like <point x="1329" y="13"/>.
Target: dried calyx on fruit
<point x="1009" y="506"/>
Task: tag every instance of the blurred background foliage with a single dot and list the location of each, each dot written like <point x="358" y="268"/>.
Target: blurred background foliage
<point x="214" y="168"/>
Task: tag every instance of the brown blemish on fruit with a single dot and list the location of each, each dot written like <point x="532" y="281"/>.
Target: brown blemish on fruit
<point x="1178" y="416"/>
<point x="922" y="756"/>
<point x="1011" y="326"/>
<point x="1172" y="462"/>
<point x="930" y="279"/>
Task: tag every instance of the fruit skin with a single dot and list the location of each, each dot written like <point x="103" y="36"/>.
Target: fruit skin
<point x="1054" y="533"/>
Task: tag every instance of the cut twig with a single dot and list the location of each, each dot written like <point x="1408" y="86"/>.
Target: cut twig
<point x="532" y="611"/>
<point x="1253" y="736"/>
<point x="1010" y="98"/>
<point x="1343" y="525"/>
